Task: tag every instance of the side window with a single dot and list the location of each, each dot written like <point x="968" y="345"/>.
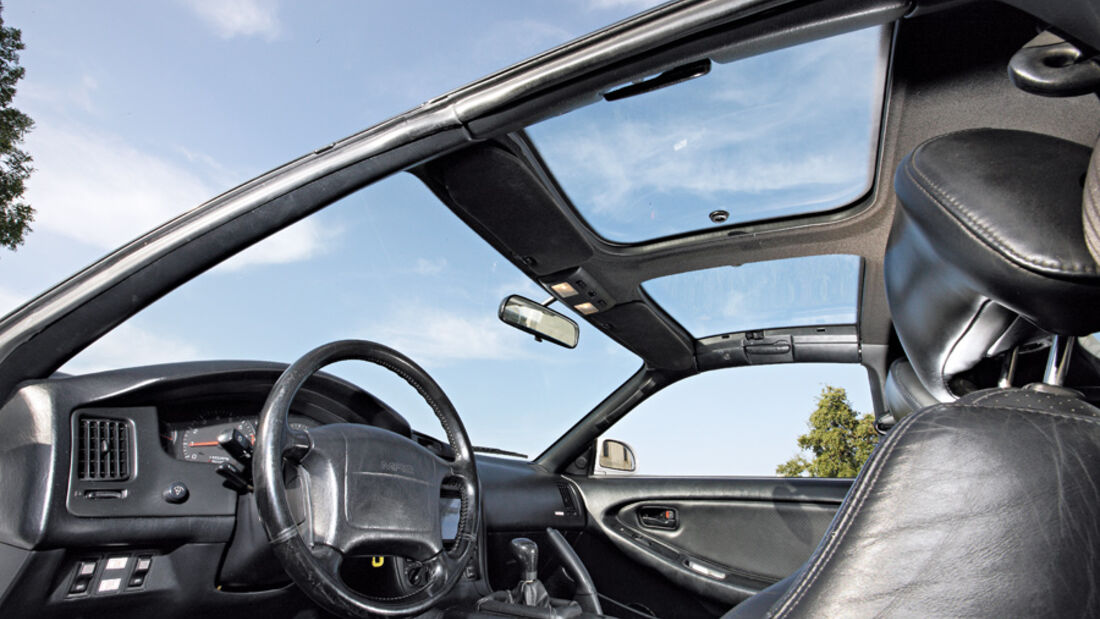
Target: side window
<point x="748" y="421"/>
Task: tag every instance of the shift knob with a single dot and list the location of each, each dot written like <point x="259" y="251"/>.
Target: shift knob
<point x="527" y="552"/>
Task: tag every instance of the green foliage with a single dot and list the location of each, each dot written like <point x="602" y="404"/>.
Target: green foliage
<point x="839" y="439"/>
<point x="15" y="164"/>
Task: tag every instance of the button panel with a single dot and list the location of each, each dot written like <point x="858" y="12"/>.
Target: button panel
<point x="109" y="575"/>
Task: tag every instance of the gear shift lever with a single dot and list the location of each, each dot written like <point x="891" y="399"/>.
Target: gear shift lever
<point x="529" y="591"/>
<point x="527" y="552"/>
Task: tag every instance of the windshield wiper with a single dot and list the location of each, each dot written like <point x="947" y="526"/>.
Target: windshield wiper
<point x="499" y="452"/>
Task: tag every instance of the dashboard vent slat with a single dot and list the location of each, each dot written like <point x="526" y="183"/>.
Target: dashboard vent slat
<point x="104" y="450"/>
<point x="568" y="500"/>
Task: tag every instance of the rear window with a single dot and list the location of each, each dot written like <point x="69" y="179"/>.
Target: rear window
<point x="805" y="291"/>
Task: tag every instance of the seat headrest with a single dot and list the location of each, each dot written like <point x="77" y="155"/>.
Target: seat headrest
<point x="988" y="228"/>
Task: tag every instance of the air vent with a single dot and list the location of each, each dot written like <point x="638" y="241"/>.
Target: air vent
<point x="568" y="500"/>
<point x="104" y="450"/>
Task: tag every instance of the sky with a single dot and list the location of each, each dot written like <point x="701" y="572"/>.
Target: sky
<point x="144" y="110"/>
<point x="784" y="133"/>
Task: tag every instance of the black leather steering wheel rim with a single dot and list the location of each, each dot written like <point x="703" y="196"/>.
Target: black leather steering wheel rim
<point x="315" y="569"/>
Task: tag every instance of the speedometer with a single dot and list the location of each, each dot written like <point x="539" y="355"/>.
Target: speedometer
<point x="201" y="444"/>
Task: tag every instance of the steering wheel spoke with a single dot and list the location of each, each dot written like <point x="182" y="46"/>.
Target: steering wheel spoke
<point x="367" y="490"/>
<point x="328" y="557"/>
<point x="297" y="445"/>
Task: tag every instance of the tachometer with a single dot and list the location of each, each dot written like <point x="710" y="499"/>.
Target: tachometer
<point x="201" y="444"/>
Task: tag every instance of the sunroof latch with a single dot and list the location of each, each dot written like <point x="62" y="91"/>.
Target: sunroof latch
<point x="682" y="73"/>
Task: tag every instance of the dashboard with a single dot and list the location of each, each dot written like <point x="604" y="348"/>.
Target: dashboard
<point x="144" y="551"/>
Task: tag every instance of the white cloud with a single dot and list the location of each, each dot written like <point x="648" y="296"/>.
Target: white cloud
<point x="520" y="285"/>
<point x="231" y="18"/>
<point x="130" y="346"/>
<point x="101" y="191"/>
<point x="425" y="266"/>
<point x="301" y="241"/>
<point x="439" y="336"/>
<point x="635" y="5"/>
<point x="59" y="97"/>
<point x="10" y="299"/>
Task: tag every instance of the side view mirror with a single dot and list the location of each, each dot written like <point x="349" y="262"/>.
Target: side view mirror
<point x="614" y="457"/>
<point x="540" y="321"/>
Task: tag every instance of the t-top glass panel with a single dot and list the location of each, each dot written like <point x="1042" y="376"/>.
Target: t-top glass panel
<point x="790" y="132"/>
<point x="795" y="292"/>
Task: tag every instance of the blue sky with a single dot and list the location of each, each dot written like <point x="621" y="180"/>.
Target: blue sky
<point x="144" y="110"/>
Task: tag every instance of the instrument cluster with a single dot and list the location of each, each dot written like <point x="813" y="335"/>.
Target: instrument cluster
<point x="197" y="440"/>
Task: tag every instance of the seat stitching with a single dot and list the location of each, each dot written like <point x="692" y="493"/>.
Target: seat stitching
<point x="990" y="236"/>
<point x="843" y="528"/>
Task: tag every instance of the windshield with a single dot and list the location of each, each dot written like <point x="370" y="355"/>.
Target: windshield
<point x="183" y="101"/>
<point x="394" y="266"/>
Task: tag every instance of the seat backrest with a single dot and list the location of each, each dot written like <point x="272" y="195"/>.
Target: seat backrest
<point x="989" y="506"/>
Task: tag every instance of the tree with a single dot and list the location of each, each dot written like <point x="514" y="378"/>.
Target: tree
<point x="839" y="439"/>
<point x="15" y="164"/>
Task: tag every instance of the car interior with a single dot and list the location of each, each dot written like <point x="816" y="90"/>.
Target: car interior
<point x="274" y="488"/>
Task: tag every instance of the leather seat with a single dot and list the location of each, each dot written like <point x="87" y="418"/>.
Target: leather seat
<point x="903" y="392"/>
<point x="988" y="505"/>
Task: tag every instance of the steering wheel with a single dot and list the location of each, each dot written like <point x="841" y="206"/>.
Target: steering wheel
<point x="362" y="490"/>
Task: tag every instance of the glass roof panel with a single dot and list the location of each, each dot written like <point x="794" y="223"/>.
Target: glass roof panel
<point x="790" y="132"/>
<point x="795" y="292"/>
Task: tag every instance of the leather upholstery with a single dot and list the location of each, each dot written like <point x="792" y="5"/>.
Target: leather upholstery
<point x="989" y="506"/>
<point x="988" y="228"/>
<point x="1091" y="201"/>
<point x="903" y="391"/>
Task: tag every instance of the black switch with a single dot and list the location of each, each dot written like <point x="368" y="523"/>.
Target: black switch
<point x="234" y="478"/>
<point x="176" y="493"/>
<point x="237" y="445"/>
<point x="136" y="580"/>
<point x="80" y="585"/>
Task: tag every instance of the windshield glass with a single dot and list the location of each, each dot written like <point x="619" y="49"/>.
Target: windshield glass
<point x="810" y="290"/>
<point x="393" y="266"/>
<point x="121" y="144"/>
<point x="791" y="132"/>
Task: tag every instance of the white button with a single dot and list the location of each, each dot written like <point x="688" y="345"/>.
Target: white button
<point x="116" y="563"/>
<point x="142" y="564"/>
<point x="86" y="568"/>
<point x="109" y="584"/>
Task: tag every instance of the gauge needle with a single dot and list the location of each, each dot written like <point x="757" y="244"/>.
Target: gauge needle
<point x="204" y="444"/>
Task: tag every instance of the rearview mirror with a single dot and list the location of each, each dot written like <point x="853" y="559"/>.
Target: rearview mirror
<point x="540" y="321"/>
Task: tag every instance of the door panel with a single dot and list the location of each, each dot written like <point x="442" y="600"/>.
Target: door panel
<point x="723" y="538"/>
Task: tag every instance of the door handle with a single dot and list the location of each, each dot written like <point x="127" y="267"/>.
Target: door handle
<point x="658" y="517"/>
